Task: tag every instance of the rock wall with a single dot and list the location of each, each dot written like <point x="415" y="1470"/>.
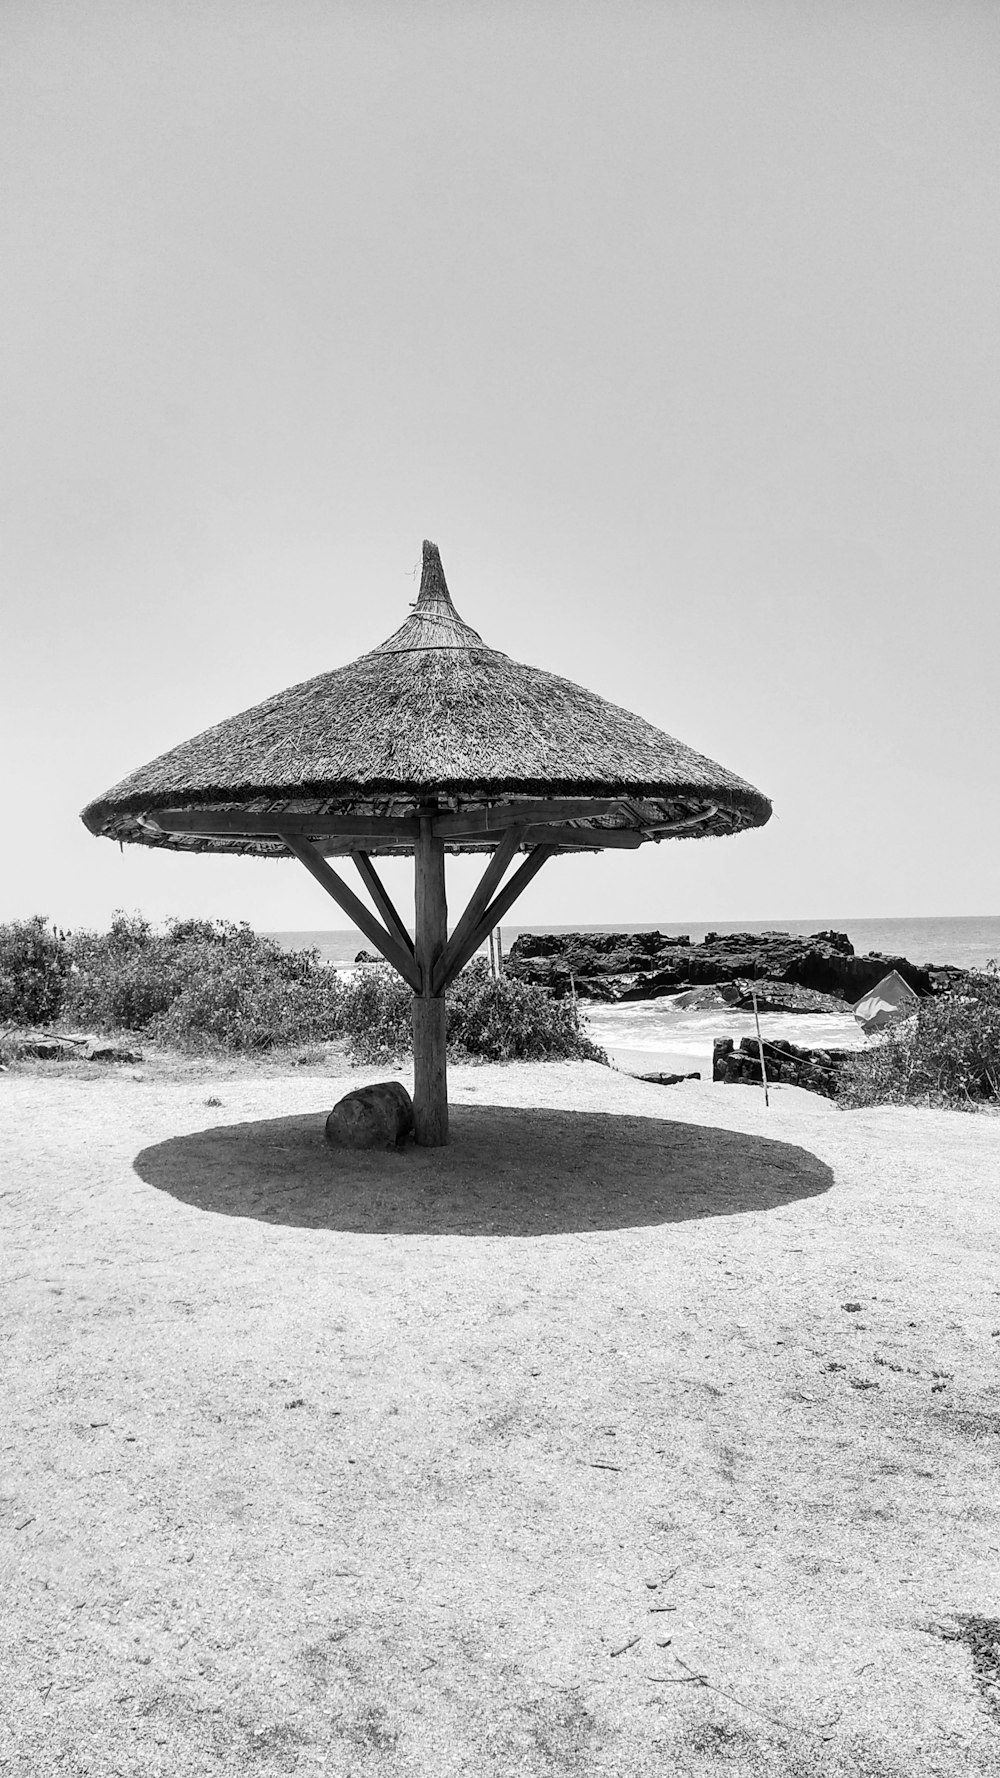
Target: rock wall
<point x="815" y="1069"/>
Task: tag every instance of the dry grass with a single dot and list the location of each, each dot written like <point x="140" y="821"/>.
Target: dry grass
<point x="413" y="1463"/>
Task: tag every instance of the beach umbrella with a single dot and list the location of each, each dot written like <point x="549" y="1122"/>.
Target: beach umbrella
<point x="434" y="742"/>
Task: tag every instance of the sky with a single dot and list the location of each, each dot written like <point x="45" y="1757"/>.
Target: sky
<point x="673" y="324"/>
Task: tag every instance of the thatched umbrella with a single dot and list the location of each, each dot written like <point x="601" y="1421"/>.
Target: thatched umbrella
<point x="433" y="742"/>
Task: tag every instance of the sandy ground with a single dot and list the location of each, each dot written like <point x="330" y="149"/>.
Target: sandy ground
<point x="642" y="1430"/>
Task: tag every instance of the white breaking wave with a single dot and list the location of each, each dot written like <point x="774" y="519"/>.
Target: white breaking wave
<point x="650" y="1028"/>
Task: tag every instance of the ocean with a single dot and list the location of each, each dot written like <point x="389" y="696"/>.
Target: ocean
<point x="647" y="1036"/>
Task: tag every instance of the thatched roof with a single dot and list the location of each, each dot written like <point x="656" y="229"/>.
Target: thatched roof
<point x="433" y="718"/>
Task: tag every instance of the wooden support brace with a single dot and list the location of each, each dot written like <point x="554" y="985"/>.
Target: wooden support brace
<point x="493" y="915"/>
<point x="326" y="876"/>
<point x="479" y="901"/>
<point x="374" y="885"/>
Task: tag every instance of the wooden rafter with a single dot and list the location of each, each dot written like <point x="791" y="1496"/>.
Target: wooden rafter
<point x="247" y="821"/>
<point x="531" y="810"/>
<point x="593" y="839"/>
<point x="663" y="829"/>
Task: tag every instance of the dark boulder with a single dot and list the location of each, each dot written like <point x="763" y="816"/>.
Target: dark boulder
<point x="668" y="1080"/>
<point x="96" y="1051"/>
<point x="378" y="1116"/>
<point x="41" y="1048"/>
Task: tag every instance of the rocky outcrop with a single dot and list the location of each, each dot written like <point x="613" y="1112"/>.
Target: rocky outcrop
<point x="59" y="1046"/>
<point x="615" y="966"/>
<point x="774" y="996"/>
<point x="817" y="1070"/>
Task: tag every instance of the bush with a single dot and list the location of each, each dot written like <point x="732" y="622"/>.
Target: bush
<point x="33" y="966"/>
<point x="122" y="979"/>
<point x="223" y="1007"/>
<point x="948" y="1053"/>
<point x="375" y="1014"/>
<point x="200" y="985"/>
<point x="500" y="1021"/>
<point x="513" y="1021"/>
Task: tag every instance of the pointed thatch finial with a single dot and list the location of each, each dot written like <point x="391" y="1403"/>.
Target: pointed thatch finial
<point x="433" y="621"/>
<point x="433" y="586"/>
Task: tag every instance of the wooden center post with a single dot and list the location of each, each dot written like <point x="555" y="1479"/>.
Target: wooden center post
<point x="430" y="1076"/>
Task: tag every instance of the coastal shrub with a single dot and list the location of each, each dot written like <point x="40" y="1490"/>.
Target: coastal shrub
<point x="200" y="985"/>
<point x="34" y="962"/>
<point x="375" y="1014"/>
<point x="247" y="1011"/>
<point x="124" y="978"/>
<point x="948" y="1053"/>
<point x="499" y="1021"/>
<point x="207" y="985"/>
<point x="508" y="1020"/>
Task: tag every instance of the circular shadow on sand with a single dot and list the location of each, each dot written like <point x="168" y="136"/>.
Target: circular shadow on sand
<point x="505" y="1172"/>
